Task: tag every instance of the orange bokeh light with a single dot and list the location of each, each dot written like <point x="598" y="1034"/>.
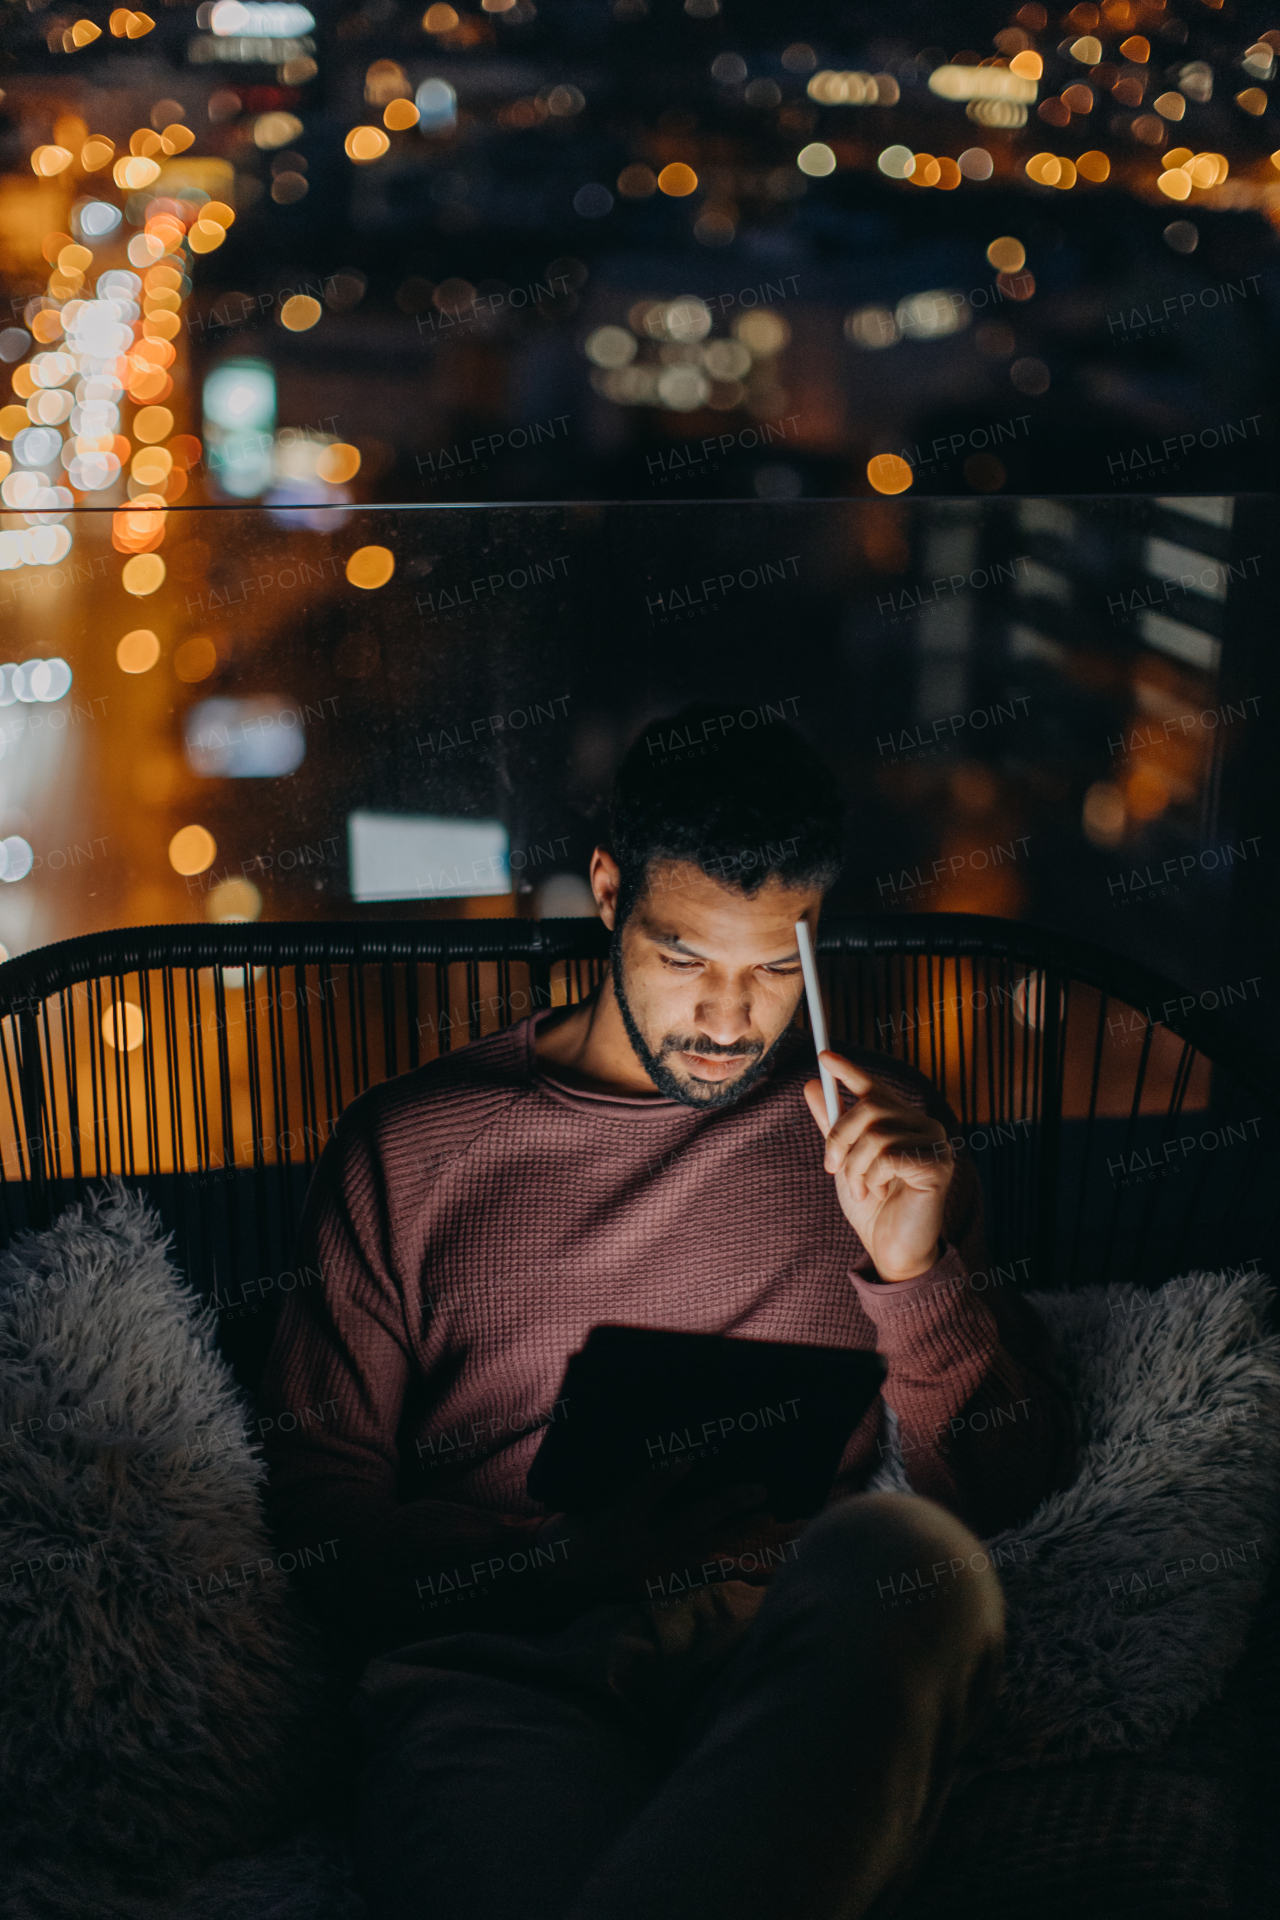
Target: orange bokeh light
<point x="138" y="651"/>
<point x="678" y="180"/>
<point x="889" y="473"/>
<point x="371" y="567"/>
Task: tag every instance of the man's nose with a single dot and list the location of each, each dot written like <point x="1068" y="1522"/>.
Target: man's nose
<point x="724" y="1017"/>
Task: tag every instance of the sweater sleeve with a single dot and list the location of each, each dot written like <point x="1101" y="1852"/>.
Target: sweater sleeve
<point x="331" y="1404"/>
<point x="985" y="1427"/>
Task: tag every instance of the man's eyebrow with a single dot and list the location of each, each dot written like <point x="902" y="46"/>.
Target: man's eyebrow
<point x="675" y="944"/>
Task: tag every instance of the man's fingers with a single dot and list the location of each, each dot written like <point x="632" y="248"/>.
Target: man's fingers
<point x="851" y="1126"/>
<point x="876" y="1162"/>
<point x="853" y="1078"/>
<point x="882" y="1122"/>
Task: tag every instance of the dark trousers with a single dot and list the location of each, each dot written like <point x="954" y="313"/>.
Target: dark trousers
<point x="779" y="1751"/>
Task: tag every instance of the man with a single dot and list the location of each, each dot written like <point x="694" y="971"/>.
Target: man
<point x="674" y="1699"/>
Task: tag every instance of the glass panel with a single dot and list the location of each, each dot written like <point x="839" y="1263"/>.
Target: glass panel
<point x="1039" y="709"/>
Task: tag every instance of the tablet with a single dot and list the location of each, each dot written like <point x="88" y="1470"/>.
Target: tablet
<point x="638" y="1399"/>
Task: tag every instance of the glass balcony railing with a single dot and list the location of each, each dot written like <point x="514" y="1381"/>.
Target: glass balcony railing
<point x="1041" y="709"/>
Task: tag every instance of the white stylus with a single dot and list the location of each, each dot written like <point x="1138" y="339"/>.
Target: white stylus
<point x="817" y="1018"/>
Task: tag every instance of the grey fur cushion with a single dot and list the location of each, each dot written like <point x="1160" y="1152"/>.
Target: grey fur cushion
<point x="309" y="1876"/>
<point x="156" y="1691"/>
<point x="1130" y="1594"/>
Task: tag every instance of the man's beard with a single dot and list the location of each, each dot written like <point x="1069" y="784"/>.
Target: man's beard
<point x="704" y="1094"/>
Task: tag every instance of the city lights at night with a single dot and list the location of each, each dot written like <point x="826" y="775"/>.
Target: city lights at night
<point x="637" y="661"/>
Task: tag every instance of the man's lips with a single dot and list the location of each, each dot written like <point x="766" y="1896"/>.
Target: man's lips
<point x="717" y="1066"/>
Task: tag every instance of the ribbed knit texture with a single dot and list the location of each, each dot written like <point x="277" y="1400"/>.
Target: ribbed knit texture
<point x="470" y="1222"/>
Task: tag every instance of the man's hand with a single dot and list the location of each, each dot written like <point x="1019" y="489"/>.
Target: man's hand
<point x="653" y="1530"/>
<point x="892" y="1166"/>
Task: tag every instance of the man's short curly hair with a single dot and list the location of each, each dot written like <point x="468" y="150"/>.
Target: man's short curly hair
<point x="745" y="805"/>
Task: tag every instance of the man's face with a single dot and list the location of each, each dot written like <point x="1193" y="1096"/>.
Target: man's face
<point x="708" y="979"/>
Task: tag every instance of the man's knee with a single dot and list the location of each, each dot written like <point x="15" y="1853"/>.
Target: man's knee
<point x="888" y="1557"/>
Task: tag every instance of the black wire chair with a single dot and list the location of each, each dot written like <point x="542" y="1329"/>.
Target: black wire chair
<point x="1119" y="1127"/>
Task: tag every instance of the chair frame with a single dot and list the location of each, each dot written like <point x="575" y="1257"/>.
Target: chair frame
<point x="880" y="952"/>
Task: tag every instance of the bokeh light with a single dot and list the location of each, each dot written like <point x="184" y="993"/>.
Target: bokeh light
<point x="981" y="83"/>
<point x="437" y="103"/>
<point x="138" y="651"/>
<point x="1007" y="254"/>
<point x="300" y="313"/>
<point x="871" y="328"/>
<point x="371" y="567"/>
<point x="271" y="130"/>
<point x="152" y="424"/>
<point x="975" y="163"/>
<point x="364" y="144"/>
<point x="593" y="201"/>
<point x="192" y="850"/>
<point x="897" y="162"/>
<point x="678" y="180"/>
<point x="47" y="161"/>
<point x="762" y="333"/>
<point x="889" y="473"/>
<point x="611" y="347"/>
<point x="123" y="1027"/>
<point x="234" y="899"/>
<point x="1103" y="814"/>
<point x="816" y="159"/>
<point x="17" y="858"/>
<point x="143" y="574"/>
<point x="997" y="113"/>
<point x="195" y="659"/>
<point x="400" y="115"/>
<point x="338" y="463"/>
<point x="206" y="236"/>
<point x="1030" y="375"/>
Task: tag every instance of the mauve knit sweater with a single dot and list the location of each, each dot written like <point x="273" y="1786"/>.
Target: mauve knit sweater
<point x="471" y="1221"/>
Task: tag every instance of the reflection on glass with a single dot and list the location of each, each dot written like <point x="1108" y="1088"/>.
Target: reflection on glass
<point x="407" y="857"/>
<point x="255" y="739"/>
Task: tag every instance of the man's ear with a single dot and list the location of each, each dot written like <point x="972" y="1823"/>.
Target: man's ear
<point x="606" y="880"/>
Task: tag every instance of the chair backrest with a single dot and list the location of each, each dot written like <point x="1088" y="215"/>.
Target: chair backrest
<point x="1119" y="1127"/>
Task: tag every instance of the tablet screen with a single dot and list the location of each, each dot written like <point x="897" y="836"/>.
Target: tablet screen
<point x="639" y="1399"/>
